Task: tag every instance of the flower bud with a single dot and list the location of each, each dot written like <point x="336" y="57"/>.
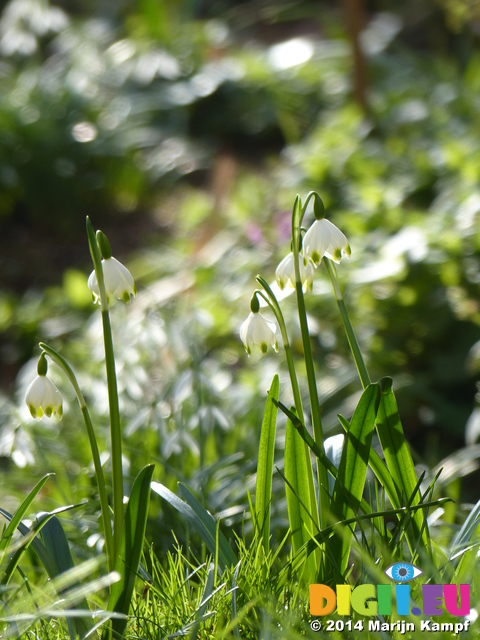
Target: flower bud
<point x="104" y="244"/>
<point x="318" y="207"/>
<point x="254" y="304"/>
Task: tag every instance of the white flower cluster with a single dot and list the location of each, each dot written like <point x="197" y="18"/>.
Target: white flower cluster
<point x="42" y="396"/>
<point x="323" y="239"/>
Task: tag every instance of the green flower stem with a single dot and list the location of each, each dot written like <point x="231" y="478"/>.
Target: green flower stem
<point x="115" y="430"/>
<point x="272" y="302"/>
<point x="107" y="525"/>
<point x="307" y="350"/>
<point x="351" y="337"/>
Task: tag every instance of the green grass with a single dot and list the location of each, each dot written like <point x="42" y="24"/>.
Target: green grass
<point x="180" y="596"/>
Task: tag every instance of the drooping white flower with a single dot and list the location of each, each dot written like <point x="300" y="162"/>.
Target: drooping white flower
<point x="43" y="397"/>
<point x="119" y="281"/>
<point x="285" y="273"/>
<point x="257" y="330"/>
<point x="325" y="239"/>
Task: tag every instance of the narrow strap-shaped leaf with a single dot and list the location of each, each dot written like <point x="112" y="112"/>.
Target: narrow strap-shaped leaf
<point x="56" y="542"/>
<point x="204" y="525"/>
<point x="312" y="445"/>
<point x="226" y="556"/>
<point x="399" y="460"/>
<point x="266" y="451"/>
<point x="321" y="537"/>
<point x="352" y="471"/>
<point x="32" y="540"/>
<point x="467" y="530"/>
<point x="298" y="494"/>
<point x="131" y="548"/>
<point x="39" y="548"/>
<point x="21" y="511"/>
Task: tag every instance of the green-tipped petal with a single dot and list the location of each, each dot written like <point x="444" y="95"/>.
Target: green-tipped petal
<point x="325" y="239"/>
<point x="119" y="281"/>
<point x="43" y="397"/>
<point x="258" y="331"/>
<point x="285" y="273"/>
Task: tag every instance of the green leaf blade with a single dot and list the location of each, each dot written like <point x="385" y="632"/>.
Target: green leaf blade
<point x="299" y="499"/>
<point x="399" y="462"/>
<point x="131" y="548"/>
<point x="226" y="557"/>
<point x="352" y="471"/>
<point x="21" y="511"/>
<point x="202" y="521"/>
<point x="266" y="451"/>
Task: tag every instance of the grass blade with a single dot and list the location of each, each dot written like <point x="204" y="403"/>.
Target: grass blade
<point x="204" y="525"/>
<point x="320" y="538"/>
<point x="226" y="557"/>
<point x="32" y="540"/>
<point x="266" y="450"/>
<point x="467" y="530"/>
<point x="460" y="545"/>
<point x="19" y="514"/>
<point x="131" y="547"/>
<point x="203" y="603"/>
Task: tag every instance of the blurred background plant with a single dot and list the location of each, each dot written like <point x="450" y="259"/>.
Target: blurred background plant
<point x="184" y="130"/>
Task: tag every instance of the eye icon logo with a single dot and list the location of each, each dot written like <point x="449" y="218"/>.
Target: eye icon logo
<point x="402" y="572"/>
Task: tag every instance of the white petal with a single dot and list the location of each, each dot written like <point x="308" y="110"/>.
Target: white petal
<point x="325" y="239"/>
<point x="118" y="279"/>
<point x="316" y="241"/>
<point x="285" y="272"/>
<point x="257" y="330"/>
<point x="52" y="402"/>
<point x="93" y="286"/>
<point x="42" y="396"/>
<point x="338" y="244"/>
<point x="244" y="332"/>
<point x="307" y="273"/>
<point x="35" y="395"/>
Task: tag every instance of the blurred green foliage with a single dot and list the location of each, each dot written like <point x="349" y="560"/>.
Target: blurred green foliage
<point x="185" y="130"/>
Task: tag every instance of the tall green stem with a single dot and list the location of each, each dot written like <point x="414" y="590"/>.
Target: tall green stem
<point x="272" y="302"/>
<point x="107" y="525"/>
<point x="322" y="474"/>
<point x="351" y="337"/>
<point x="115" y="430"/>
<point x="277" y="312"/>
